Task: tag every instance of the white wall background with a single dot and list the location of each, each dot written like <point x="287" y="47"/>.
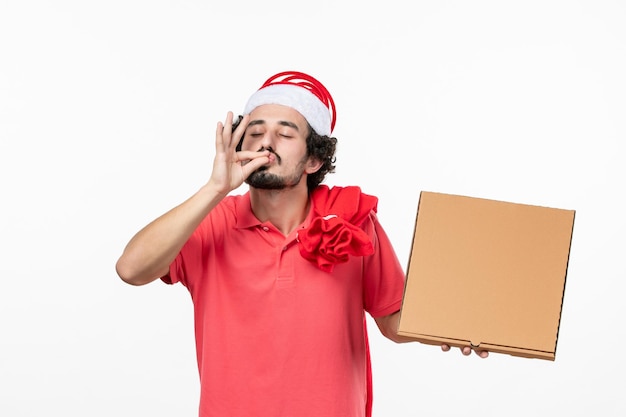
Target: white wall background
<point x="107" y="119"/>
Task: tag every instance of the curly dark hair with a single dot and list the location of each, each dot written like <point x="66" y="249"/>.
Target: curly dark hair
<point x="320" y="147"/>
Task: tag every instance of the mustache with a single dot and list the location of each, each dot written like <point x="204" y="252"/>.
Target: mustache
<point x="278" y="158"/>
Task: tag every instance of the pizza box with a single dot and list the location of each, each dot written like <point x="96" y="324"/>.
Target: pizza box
<point x="487" y="274"/>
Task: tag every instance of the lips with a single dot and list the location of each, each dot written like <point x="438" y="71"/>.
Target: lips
<point x="273" y="157"/>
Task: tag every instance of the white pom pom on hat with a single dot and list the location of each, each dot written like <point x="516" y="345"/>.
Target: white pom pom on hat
<point x="301" y="92"/>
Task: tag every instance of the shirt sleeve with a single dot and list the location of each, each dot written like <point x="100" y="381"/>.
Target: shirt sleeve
<point x="190" y="263"/>
<point x="179" y="266"/>
<point x="384" y="277"/>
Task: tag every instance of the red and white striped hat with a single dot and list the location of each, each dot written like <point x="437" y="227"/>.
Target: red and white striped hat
<point x="301" y="92"/>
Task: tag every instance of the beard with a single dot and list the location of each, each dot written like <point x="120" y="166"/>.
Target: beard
<point x="264" y="180"/>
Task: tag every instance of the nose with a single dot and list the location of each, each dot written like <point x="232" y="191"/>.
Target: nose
<point x="267" y="141"/>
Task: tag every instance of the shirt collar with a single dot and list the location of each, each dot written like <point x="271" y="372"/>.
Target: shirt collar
<point x="245" y="216"/>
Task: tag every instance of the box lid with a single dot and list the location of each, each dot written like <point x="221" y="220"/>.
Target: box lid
<point x="487" y="273"/>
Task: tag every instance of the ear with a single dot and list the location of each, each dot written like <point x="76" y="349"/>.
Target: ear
<point x="312" y="165"/>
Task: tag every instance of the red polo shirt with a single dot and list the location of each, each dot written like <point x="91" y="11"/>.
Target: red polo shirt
<point x="275" y="335"/>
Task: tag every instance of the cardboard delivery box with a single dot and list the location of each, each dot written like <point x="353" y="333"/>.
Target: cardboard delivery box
<point x="487" y="274"/>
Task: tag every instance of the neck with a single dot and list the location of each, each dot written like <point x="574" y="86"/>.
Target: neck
<point x="286" y="209"/>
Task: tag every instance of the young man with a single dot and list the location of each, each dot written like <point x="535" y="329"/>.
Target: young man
<point x="281" y="277"/>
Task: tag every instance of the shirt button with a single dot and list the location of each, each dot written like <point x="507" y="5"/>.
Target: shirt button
<point x="284" y="248"/>
<point x="266" y="228"/>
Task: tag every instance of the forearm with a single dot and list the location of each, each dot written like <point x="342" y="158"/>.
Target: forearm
<point x="150" y="252"/>
<point x="388" y="326"/>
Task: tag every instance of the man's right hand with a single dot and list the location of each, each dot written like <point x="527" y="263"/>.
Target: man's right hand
<point x="231" y="168"/>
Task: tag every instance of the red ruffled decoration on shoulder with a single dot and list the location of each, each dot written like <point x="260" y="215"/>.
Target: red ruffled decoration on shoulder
<point x="335" y="233"/>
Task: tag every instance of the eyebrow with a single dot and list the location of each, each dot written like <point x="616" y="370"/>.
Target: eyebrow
<point x="281" y="122"/>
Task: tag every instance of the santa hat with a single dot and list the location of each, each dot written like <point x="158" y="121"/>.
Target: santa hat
<point x="301" y="92"/>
